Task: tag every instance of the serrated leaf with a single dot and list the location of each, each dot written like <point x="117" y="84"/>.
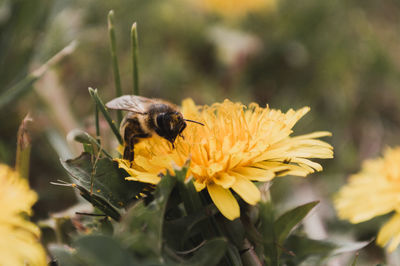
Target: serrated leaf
<point x="99" y="203"/>
<point x="141" y="228"/>
<point x="108" y="180"/>
<point x="287" y="221"/>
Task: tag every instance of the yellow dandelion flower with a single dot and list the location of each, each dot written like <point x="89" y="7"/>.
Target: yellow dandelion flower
<point x="19" y="238"/>
<point x="374" y="191"/>
<point x="237" y="146"/>
<point x="236" y="8"/>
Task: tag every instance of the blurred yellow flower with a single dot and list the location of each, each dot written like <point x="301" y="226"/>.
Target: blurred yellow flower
<point x="237" y="145"/>
<point x="19" y="238"/>
<point x="237" y="8"/>
<point x="374" y="191"/>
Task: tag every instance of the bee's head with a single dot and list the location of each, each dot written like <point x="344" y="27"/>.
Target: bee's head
<point x="170" y="125"/>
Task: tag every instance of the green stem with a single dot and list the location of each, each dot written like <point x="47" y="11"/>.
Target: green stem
<point x="23" y="149"/>
<point x="96" y="119"/>
<point x="113" y="46"/>
<point x="101" y="106"/>
<point x="135" y="69"/>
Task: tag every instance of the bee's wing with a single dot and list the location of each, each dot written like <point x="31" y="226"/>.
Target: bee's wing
<point x="132" y="103"/>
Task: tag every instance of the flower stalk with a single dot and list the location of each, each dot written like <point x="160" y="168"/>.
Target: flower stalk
<point x="23" y="148"/>
<point x="135" y="68"/>
<point x="114" y="58"/>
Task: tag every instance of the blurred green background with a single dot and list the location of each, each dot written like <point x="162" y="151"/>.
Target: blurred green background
<point x="339" y="57"/>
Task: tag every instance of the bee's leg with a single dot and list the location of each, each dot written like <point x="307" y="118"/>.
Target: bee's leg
<point x="130" y="144"/>
<point x="129" y="153"/>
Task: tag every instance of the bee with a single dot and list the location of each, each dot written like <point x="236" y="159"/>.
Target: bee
<point x="146" y="117"/>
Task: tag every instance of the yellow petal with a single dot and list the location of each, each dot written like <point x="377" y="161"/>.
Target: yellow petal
<point x="355" y="203"/>
<point x="199" y="186"/>
<point x="246" y="190"/>
<point x="224" y="180"/>
<point x="214" y="168"/>
<point x="255" y="173"/>
<point x="124" y="164"/>
<point x="314" y="135"/>
<point x="307" y="162"/>
<point x="291" y="120"/>
<point x="390" y="231"/>
<point x="135" y="175"/>
<point x="224" y="201"/>
<point x="145" y="178"/>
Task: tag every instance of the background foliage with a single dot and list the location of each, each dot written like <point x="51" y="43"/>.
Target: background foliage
<point x="338" y="57"/>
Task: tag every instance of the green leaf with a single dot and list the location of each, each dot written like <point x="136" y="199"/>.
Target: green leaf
<point x="233" y="256"/>
<point x="178" y="231"/>
<point x="106" y="226"/>
<point x="99" y="203"/>
<point x="303" y="247"/>
<point x="285" y="223"/>
<point x="209" y="254"/>
<point x="102" y="180"/>
<point x="90" y="250"/>
<point x="350" y="247"/>
<point x="268" y="235"/>
<point x="190" y="197"/>
<point x="193" y="204"/>
<point x="141" y="227"/>
<point x="64" y="256"/>
<point x="102" y="250"/>
<point x="233" y="230"/>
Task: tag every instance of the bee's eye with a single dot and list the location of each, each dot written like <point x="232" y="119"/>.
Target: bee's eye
<point x="165" y="122"/>
<point x="160" y="120"/>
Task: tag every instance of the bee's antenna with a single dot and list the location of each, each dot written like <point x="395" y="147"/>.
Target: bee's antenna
<point x="194" y="121"/>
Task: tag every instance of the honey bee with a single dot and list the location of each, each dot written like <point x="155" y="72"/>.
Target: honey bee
<point x="145" y="117"/>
